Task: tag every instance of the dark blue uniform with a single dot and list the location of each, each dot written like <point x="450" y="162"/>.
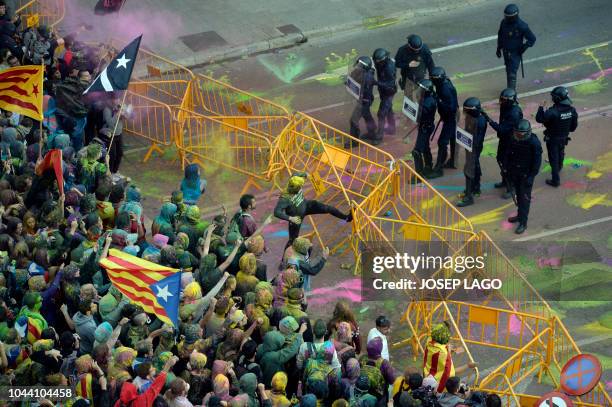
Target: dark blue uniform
<point x="509" y="116"/>
<point x="422" y="151"/>
<point x="362" y="109"/>
<point x="477" y="145"/>
<point x="387" y="88"/>
<point x="447" y="107"/>
<point x="413" y="65"/>
<point x="513" y="39"/>
<point x="522" y="161"/>
<point x="560" y="120"/>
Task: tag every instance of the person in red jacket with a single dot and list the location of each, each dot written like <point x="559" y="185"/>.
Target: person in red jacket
<point x="129" y="393"/>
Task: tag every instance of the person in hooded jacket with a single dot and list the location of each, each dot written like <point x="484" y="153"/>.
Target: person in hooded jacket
<point x="129" y="393"/>
<point x="192" y="185"/>
<point x="274" y="353"/>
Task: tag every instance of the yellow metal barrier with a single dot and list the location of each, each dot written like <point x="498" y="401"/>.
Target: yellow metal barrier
<point x="37" y="12"/>
<point x="206" y="140"/>
<point x="152" y="121"/>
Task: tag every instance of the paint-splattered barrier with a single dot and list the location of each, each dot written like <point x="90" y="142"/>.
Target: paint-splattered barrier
<point x="35" y="12"/>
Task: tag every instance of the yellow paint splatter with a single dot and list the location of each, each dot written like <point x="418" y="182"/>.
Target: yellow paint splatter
<point x="603" y="163"/>
<point x="588" y="200"/>
<point x="594" y="174"/>
<point x="490" y="216"/>
<point x="559" y="69"/>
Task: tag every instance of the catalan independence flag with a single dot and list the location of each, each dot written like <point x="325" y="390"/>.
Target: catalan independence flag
<point x="155" y="288"/>
<point x="437" y="362"/>
<point x="21" y="90"/>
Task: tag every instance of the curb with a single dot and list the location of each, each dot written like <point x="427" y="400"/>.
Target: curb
<point x="198" y="60"/>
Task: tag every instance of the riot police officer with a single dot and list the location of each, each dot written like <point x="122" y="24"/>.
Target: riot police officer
<point x="366" y="97"/>
<point x="387" y="87"/>
<point x="475" y="124"/>
<point x="413" y="60"/>
<point x="513" y="39"/>
<point x="522" y="161"/>
<point x="422" y="152"/>
<point x="560" y="120"/>
<point x="447" y="108"/>
<point x="509" y="114"/>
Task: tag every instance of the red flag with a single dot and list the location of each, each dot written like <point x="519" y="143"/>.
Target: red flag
<point x="53" y="160"/>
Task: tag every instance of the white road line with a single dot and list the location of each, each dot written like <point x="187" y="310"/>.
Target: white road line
<point x="464" y="44"/>
<point x="545" y="90"/>
<point x="543" y="57"/>
<point x="316" y="109"/>
<point x="564" y="229"/>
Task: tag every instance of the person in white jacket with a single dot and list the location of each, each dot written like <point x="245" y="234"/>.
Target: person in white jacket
<point x="383" y="327"/>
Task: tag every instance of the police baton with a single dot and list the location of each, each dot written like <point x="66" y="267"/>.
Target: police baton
<point x="522" y="69"/>
<point x="436" y="129"/>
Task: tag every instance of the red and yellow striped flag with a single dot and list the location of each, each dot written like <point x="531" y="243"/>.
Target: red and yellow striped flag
<point x="438" y="363"/>
<point x="155" y="288"/>
<point x="21" y="90"/>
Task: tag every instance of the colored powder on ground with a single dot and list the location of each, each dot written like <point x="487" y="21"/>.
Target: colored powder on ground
<point x="588" y="200"/>
<point x="592" y="87"/>
<point x="594" y="174"/>
<point x="371" y="23"/>
<point x="489" y="150"/>
<point x="603" y="163"/>
<point x="335" y="61"/>
<point x="286" y="71"/>
<point x="573" y="185"/>
<point x="570" y="162"/>
<point x="331" y="80"/>
<point x="490" y="216"/>
<point x="505" y="225"/>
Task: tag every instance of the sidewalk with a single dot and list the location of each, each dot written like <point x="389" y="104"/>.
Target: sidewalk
<point x="198" y="32"/>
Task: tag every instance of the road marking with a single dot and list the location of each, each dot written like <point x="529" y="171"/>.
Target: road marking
<point x="543" y="57"/>
<point x="564" y="229"/>
<point x="464" y="44"/>
<point x="545" y="90"/>
<point x="333" y="105"/>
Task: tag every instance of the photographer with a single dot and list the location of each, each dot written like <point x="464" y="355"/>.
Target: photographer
<point x="455" y="394"/>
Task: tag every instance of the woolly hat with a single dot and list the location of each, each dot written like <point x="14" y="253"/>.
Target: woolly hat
<point x="93" y="151"/>
<point x="103" y="332"/>
<point x="288" y="325"/>
<point x="248" y="264"/>
<point x="301" y="245"/>
<point x="237" y="317"/>
<point x="295" y="184"/>
<point x="37" y="283"/>
<point x="193" y="291"/>
<point x="198" y="360"/>
<point x="295" y="294"/>
<point x="192" y="333"/>
<point x="279" y="382"/>
<point x="193" y="213"/>
<point x="160" y="240"/>
<point x="30" y="299"/>
<point x="440" y="333"/>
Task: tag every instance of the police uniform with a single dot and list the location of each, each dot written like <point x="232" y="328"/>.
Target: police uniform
<point x="422" y="151"/>
<point x="447" y="107"/>
<point x="509" y="115"/>
<point x="413" y="65"/>
<point x="513" y="39"/>
<point x="387" y="88"/>
<point x="522" y="161"/>
<point x="560" y="120"/>
<point x="362" y="109"/>
<point x="472" y="171"/>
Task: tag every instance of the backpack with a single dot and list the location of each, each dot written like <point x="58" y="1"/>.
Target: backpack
<point x="318" y="369"/>
<point x="372" y="371"/>
<point x="236" y="222"/>
<point x="427" y="397"/>
<point x="36" y="47"/>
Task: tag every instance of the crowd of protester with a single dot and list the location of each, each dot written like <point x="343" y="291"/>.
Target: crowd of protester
<point x="244" y="337"/>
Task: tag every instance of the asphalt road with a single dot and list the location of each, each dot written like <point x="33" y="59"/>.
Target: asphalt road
<point x="572" y="48"/>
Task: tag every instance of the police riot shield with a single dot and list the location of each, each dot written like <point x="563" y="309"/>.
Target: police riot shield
<point x="413" y="96"/>
<point x="465" y="139"/>
<point x="354" y="80"/>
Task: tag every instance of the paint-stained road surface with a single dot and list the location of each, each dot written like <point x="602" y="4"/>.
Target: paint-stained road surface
<point x="573" y="48"/>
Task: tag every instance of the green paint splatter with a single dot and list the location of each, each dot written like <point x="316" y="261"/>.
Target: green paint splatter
<point x="570" y="162"/>
<point x="606" y="320"/>
<point x="286" y="71"/>
<point x="489" y="150"/>
<point x="371" y="23"/>
<point x="331" y="80"/>
<point x="364" y="310"/>
<point x="590" y="88"/>
<point x="335" y="61"/>
<point x="465" y="87"/>
<point x="459" y="75"/>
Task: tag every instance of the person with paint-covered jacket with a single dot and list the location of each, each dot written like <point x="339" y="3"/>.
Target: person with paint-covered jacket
<point x="129" y="393"/>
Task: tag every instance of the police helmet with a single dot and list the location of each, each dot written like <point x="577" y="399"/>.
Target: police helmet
<point x="438" y="73"/>
<point x="511" y="10"/>
<point x="427" y="85"/>
<point x="380" y="54"/>
<point x="472" y="106"/>
<point x="507" y="94"/>
<point x="522" y="129"/>
<point x="415" y="42"/>
<point x="560" y="94"/>
<point x="365" y="62"/>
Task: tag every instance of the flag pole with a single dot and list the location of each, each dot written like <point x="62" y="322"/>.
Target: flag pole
<point x="116" y="122"/>
<point x="40" y="122"/>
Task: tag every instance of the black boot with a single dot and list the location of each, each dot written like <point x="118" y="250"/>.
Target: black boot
<point x="521" y="228"/>
<point x="513" y="219"/>
<point x="468" y="198"/>
<point x="500" y="184"/>
<point x="437" y="171"/>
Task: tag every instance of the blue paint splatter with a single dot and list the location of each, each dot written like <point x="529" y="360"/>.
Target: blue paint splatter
<point x="280" y="233"/>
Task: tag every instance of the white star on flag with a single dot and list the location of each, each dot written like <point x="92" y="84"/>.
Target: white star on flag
<point x="122" y="62"/>
<point x="163" y="293"/>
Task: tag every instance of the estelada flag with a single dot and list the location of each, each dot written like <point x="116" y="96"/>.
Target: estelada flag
<point x="21" y="90"/>
<point x="155" y="288"/>
<point x="52" y="160"/>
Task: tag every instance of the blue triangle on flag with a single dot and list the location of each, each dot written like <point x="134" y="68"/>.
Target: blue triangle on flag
<point x="168" y="293"/>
